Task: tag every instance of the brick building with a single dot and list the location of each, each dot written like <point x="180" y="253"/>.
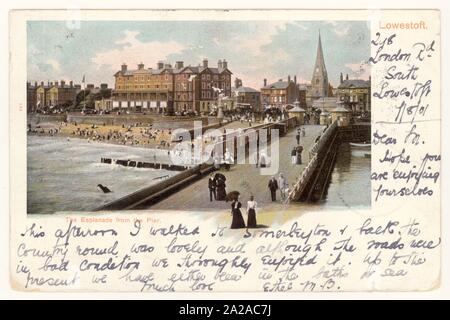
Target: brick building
<point x="56" y="94"/>
<point x="280" y="94"/>
<point x="170" y="88"/>
<point x="246" y="97"/>
<point x="31" y="96"/>
<point x="355" y="94"/>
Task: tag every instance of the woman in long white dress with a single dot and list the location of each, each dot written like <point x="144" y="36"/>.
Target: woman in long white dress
<point x="251" y="213"/>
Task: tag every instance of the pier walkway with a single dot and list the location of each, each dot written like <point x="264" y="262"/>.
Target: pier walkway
<point x="246" y="179"/>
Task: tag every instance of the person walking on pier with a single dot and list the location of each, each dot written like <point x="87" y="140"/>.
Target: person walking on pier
<point x="221" y="192"/>
<point x="212" y="188"/>
<point x="273" y="187"/>
<point x="283" y="185"/>
<point x="251" y="213"/>
<point x="299" y="154"/>
<point x="238" y="221"/>
<point x="262" y="160"/>
<point x="294" y="156"/>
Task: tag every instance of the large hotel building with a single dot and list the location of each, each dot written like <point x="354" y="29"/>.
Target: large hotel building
<point x="170" y="88"/>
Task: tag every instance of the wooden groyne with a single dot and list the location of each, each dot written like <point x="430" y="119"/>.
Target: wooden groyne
<point x="142" y="164"/>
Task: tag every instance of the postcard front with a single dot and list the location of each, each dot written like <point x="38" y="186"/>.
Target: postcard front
<point x="198" y="151"/>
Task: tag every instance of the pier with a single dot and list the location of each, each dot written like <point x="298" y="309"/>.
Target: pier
<point x="188" y="190"/>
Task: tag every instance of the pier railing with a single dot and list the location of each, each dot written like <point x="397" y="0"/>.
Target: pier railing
<point x="322" y="140"/>
<point x="302" y="181"/>
<point x="308" y="171"/>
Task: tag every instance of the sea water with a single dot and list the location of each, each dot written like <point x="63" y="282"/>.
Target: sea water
<point x="63" y="174"/>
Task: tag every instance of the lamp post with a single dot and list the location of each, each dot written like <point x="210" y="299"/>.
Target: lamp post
<point x="191" y="79"/>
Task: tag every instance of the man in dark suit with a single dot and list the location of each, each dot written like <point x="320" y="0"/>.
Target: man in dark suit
<point x="212" y="185"/>
<point x="273" y="187"/>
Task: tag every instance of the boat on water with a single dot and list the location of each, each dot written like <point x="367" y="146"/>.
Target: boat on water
<point x="360" y="145"/>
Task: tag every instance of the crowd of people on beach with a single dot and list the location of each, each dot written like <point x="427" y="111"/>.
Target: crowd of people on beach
<point x="133" y="134"/>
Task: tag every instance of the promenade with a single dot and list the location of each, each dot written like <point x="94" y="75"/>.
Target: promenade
<point x="246" y="179"/>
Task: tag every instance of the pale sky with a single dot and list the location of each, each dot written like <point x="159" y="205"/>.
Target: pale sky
<point x="254" y="49"/>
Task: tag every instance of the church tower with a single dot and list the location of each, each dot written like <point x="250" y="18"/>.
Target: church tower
<point x="319" y="82"/>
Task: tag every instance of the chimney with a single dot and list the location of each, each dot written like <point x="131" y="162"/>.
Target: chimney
<point x="103" y="86"/>
<point x="219" y="64"/>
<point x="63" y="83"/>
<point x="167" y="66"/>
<point x="370" y="78"/>
<point x="42" y="83"/>
<point x="205" y="63"/>
<point x="341" y="79"/>
<point x="35" y="83"/>
<point x="295" y="79"/>
<point x="265" y="82"/>
<point x="124" y="68"/>
<point x="160" y="65"/>
<point x="140" y="66"/>
<point x="346" y="76"/>
<point x="56" y="83"/>
<point x="179" y="65"/>
<point x="289" y="78"/>
<point x="71" y="83"/>
<point x="224" y="64"/>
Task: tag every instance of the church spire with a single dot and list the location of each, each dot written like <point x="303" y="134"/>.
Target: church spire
<point x="320" y="61"/>
<point x="319" y="80"/>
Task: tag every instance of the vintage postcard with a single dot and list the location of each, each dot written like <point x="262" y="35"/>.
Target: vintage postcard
<point x="225" y="150"/>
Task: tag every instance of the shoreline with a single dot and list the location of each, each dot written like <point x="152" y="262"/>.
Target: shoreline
<point x="114" y="143"/>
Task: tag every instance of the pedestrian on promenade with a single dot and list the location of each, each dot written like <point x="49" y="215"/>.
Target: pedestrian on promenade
<point x="212" y="188"/>
<point x="283" y="185"/>
<point x="237" y="221"/>
<point x="216" y="162"/>
<point x="299" y="154"/>
<point x="273" y="187"/>
<point x="297" y="137"/>
<point x="303" y="132"/>
<point x="294" y="155"/>
<point x="221" y="192"/>
<point x="251" y="213"/>
<point x="262" y="160"/>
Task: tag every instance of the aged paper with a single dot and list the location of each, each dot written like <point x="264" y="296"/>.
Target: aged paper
<point x="228" y="151"/>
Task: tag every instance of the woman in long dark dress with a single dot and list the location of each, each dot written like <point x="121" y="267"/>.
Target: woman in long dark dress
<point x="238" y="220"/>
<point x="251" y="213"/>
<point x="221" y="191"/>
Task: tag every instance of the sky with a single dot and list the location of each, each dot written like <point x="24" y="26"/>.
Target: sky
<point x="255" y="50"/>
